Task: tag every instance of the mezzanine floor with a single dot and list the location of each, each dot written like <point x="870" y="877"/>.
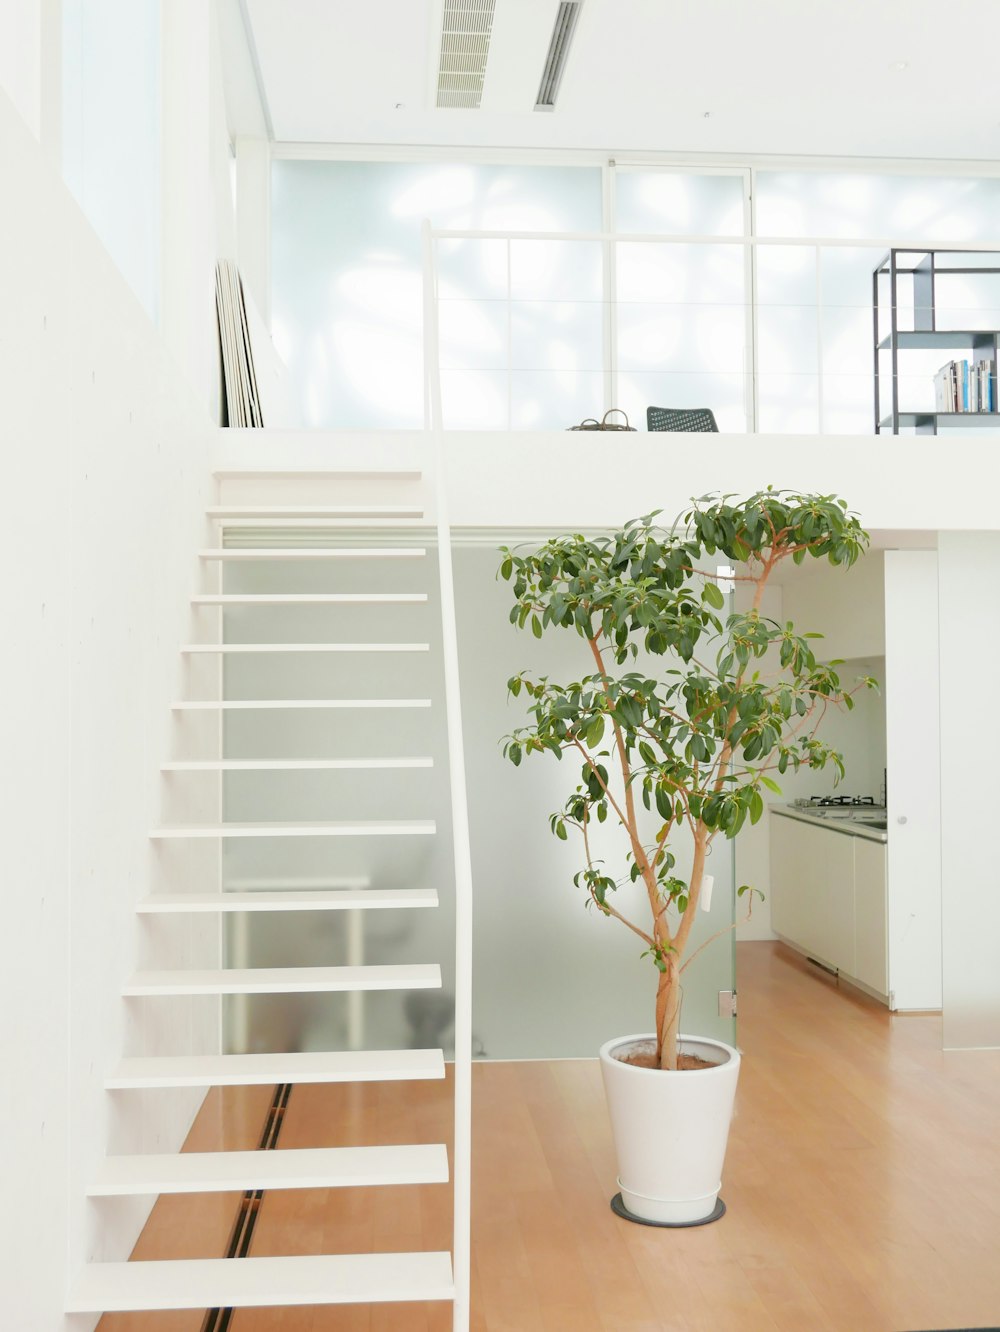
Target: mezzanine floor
<point x="863" y="1187"/>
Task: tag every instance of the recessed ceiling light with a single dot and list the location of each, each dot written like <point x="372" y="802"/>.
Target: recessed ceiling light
<point x="899" y="65"/>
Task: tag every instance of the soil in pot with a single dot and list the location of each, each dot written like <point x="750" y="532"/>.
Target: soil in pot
<point x="644" y="1056"/>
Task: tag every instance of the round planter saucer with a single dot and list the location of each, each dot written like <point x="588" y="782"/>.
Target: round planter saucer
<point x="619" y="1209"/>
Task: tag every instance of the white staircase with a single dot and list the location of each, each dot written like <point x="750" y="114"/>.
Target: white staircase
<point x="257" y="532"/>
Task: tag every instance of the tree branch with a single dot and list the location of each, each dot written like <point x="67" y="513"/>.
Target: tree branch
<point x="606" y="906"/>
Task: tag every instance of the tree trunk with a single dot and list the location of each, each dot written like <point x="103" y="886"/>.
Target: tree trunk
<point x="668" y="1015"/>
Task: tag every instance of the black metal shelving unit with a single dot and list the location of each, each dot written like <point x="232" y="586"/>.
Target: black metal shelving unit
<point x="922" y="268"/>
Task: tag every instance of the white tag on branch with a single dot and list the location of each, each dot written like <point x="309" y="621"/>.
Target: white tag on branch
<point x="705" y="900"/>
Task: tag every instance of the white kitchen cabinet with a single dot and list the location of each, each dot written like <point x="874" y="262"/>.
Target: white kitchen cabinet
<point x="828" y="897"/>
<point x="870" y="934"/>
<point x="793" y="904"/>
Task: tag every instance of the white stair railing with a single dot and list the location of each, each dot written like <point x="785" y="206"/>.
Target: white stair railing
<point x="462" y="1167"/>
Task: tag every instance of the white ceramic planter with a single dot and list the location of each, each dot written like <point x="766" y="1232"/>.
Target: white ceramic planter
<point x="670" y="1129"/>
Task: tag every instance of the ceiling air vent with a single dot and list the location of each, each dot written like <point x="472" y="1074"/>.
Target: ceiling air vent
<point x="465" y="43"/>
<point x="555" y="61"/>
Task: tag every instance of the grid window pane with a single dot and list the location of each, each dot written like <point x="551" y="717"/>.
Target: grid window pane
<point x="347" y="293"/>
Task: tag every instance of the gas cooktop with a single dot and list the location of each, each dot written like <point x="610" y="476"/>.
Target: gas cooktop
<point x="846" y="804"/>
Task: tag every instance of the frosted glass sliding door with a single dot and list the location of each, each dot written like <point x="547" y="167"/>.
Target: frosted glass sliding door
<point x="552" y="978"/>
<point x="389" y="1019"/>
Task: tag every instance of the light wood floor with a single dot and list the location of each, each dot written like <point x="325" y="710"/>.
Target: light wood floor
<point x="862" y="1182"/>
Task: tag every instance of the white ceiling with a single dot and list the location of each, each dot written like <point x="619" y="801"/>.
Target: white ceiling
<point x="729" y="77"/>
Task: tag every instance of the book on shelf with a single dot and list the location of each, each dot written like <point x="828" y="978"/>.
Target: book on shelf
<point x="966" y="386"/>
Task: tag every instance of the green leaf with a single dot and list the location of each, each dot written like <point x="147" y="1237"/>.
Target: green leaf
<point x="664" y="804"/>
<point x="595" y="731"/>
<point x="713" y="595"/>
<point x="536" y="626"/>
<point x="770" y="784"/>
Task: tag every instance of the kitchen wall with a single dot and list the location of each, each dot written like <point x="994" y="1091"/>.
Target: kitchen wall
<point x="848" y="607"/>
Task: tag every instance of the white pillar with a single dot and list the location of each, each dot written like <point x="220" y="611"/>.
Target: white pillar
<point x="253" y="220"/>
<point x="50" y="102"/>
<point x="969" y="576"/>
<point x="31" y="67"/>
<point x="20" y="58"/>
<point x="189" y="244"/>
<point x="913" y="750"/>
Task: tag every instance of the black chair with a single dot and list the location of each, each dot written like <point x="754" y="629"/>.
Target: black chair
<point x="686" y="418"/>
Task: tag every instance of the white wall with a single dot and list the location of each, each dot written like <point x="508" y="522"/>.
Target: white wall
<point x="553" y="480"/>
<point x="969" y="574"/>
<point x="563" y="478"/>
<point x="106" y="477"/>
<point x="847" y="606"/>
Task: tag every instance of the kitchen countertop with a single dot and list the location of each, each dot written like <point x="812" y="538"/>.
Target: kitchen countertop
<point x="852" y="820"/>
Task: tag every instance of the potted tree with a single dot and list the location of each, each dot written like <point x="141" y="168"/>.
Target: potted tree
<point x="736" y="704"/>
